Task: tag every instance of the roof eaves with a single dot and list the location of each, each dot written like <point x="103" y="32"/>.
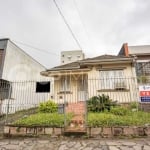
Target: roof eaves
<point x="65" y="68"/>
<point x="109" y="60"/>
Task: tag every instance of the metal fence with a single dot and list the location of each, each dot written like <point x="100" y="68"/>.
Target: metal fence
<point x="69" y="92"/>
<point x="17" y="96"/>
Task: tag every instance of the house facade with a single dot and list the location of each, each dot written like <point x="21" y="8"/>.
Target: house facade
<point x="20" y="78"/>
<point x="106" y="74"/>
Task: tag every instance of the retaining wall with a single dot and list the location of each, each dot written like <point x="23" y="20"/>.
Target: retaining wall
<point x="91" y="132"/>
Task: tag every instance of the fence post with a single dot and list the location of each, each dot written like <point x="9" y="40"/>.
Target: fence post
<point x="65" y="101"/>
<point x="9" y="97"/>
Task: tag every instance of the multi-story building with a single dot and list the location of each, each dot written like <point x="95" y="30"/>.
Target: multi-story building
<point x="71" y="56"/>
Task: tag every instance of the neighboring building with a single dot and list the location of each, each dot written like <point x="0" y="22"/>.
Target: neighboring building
<point x="16" y="65"/>
<point x="106" y="74"/>
<point x="20" y="77"/>
<point x="71" y="56"/>
<point x="141" y="54"/>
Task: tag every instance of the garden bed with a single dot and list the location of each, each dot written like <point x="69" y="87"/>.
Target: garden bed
<point x="104" y="124"/>
<point x="102" y="120"/>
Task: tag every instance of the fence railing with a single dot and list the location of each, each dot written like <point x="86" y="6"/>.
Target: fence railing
<point x="27" y="95"/>
<point x="15" y="96"/>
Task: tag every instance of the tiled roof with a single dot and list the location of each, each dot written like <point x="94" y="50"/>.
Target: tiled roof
<point x="76" y="64"/>
<point x="106" y="57"/>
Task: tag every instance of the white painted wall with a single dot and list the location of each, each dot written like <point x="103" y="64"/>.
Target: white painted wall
<point x="23" y="72"/>
<point x="20" y="66"/>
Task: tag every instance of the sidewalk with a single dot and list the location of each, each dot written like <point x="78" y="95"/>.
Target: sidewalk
<point x="74" y="144"/>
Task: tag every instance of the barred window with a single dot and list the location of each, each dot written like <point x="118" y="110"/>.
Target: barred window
<point x="65" y="84"/>
<point x="112" y="79"/>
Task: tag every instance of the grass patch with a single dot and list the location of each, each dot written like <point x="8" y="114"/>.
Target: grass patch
<point x="43" y="119"/>
<point x="108" y="119"/>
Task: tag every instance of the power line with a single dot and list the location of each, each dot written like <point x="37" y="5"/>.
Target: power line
<point x="82" y="22"/>
<point x="38" y="49"/>
<point x="69" y="28"/>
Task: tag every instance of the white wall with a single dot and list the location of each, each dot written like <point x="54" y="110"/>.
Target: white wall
<point x="21" y="70"/>
<point x="20" y="66"/>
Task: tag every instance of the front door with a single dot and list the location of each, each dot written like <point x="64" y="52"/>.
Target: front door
<point x="82" y="89"/>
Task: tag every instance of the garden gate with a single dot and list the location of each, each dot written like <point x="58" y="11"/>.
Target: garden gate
<point x="75" y="104"/>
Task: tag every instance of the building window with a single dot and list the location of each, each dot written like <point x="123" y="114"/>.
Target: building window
<point x="143" y="68"/>
<point x="65" y="84"/>
<point x="42" y="87"/>
<point x="112" y="79"/>
<point x="69" y="58"/>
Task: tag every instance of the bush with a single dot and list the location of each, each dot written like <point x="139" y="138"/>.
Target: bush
<point x="48" y="107"/>
<point x="100" y="103"/>
<point x="119" y="111"/>
<point x="133" y="105"/>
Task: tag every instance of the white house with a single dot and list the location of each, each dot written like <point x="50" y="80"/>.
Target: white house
<point x="107" y="74"/>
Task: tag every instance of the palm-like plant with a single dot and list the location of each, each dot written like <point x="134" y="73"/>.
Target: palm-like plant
<point x="100" y="103"/>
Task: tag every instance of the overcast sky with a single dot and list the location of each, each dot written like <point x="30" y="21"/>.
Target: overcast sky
<point x="101" y="26"/>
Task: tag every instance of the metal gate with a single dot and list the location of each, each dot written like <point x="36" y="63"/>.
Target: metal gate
<point x="75" y="97"/>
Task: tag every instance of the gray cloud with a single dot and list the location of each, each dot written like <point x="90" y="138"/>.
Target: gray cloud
<point x="100" y="26"/>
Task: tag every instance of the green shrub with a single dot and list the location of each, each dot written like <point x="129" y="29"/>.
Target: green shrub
<point x="48" y="107"/>
<point x="119" y="111"/>
<point x="100" y="103"/>
<point x="133" y="105"/>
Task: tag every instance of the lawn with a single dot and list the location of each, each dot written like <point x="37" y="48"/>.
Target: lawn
<point x="44" y="119"/>
<point x="94" y="119"/>
<point x="109" y="119"/>
<point x="47" y="115"/>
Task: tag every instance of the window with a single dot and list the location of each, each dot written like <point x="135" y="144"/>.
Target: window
<point x="69" y="58"/>
<point x="5" y="89"/>
<point x="112" y="79"/>
<point x="42" y="87"/>
<point x="143" y="68"/>
<point x="65" y="84"/>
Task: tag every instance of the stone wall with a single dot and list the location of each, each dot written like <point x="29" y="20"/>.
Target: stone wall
<point x="91" y="132"/>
